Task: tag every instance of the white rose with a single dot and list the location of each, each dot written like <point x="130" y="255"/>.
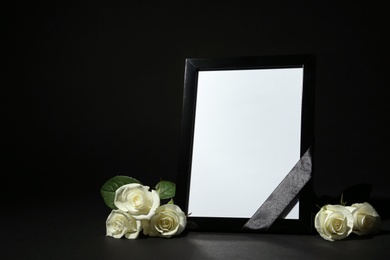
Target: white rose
<point x="121" y="223"/>
<point x="168" y="221"/>
<point x="137" y="200"/>
<point x="365" y="219"/>
<point x="333" y="222"/>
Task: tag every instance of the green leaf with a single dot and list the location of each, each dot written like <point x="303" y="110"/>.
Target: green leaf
<point x="171" y="202"/>
<point x="166" y="189"/>
<point x="109" y="187"/>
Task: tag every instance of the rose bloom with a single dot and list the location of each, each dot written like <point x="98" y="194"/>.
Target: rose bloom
<point x="137" y="200"/>
<point x="168" y="221"/>
<point x="121" y="223"/>
<point x="333" y="222"/>
<point x="365" y="219"/>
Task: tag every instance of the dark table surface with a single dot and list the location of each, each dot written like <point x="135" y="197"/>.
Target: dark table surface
<point x="75" y="229"/>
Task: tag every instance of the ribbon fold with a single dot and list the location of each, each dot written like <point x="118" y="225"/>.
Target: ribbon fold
<point x="282" y="196"/>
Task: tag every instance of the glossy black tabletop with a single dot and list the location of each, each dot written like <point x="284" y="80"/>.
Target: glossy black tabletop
<point x="75" y="229"/>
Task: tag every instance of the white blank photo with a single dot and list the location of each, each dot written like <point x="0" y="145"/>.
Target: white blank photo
<point x="246" y="139"/>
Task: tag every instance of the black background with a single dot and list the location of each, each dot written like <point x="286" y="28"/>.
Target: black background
<point x="94" y="89"/>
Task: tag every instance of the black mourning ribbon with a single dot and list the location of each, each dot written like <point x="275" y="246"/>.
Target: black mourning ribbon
<point x="282" y="196"/>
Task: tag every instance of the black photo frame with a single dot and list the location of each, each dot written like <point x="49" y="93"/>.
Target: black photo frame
<point x="208" y="157"/>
